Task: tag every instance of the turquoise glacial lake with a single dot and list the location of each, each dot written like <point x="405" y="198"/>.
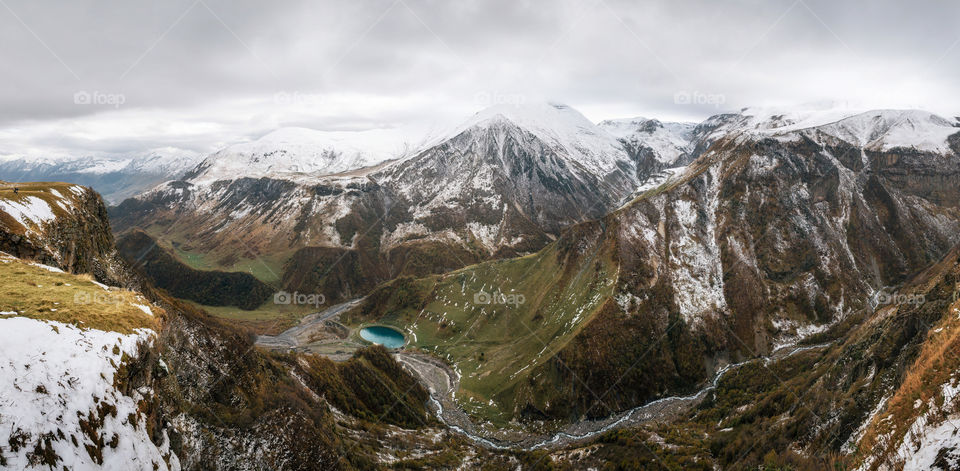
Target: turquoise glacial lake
<point x="382" y="336"/>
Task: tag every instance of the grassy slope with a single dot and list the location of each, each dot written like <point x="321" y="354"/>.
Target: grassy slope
<point x="268" y="268"/>
<point x="39" y="293"/>
<point x="496" y="346"/>
<point x="268" y="319"/>
<point x="205" y="287"/>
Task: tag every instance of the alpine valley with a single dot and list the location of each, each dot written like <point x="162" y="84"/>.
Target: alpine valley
<point x="766" y="289"/>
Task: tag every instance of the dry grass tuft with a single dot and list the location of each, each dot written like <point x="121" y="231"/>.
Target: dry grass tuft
<point x="32" y="291"/>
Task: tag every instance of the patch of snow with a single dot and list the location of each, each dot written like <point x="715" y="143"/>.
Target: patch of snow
<point x="105" y="287"/>
<point x="143" y="307"/>
<point x="53" y="376"/>
<point x="29" y="212"/>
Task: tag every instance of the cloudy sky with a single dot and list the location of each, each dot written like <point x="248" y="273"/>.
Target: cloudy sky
<point x="91" y="77"/>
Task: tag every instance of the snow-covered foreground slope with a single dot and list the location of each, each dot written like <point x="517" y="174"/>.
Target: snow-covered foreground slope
<point x="59" y="401"/>
<point x="67" y="346"/>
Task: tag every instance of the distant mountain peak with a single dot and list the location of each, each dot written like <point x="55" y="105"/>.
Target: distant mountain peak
<point x="294" y="150"/>
<point x="880" y="129"/>
<point x="559" y="126"/>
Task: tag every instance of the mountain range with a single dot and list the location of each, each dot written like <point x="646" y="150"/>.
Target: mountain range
<point x="766" y="289"/>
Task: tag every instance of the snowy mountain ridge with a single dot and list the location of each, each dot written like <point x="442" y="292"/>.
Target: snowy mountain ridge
<point x="559" y="125"/>
<point x="117" y="178"/>
<point x="668" y="141"/>
<point x="878" y="130"/>
<point x="302" y="151"/>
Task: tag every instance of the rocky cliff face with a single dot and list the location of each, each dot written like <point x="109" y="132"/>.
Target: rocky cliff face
<point x="58" y="224"/>
<point x="876" y="391"/>
<point x="769" y="238"/>
<point x="105" y="376"/>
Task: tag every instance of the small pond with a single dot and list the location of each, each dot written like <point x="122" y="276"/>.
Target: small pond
<point x="385" y="336"/>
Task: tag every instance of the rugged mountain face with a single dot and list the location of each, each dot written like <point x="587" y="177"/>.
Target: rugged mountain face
<point x="504" y="183"/>
<point x="772" y="234"/>
<point x="654" y="145"/>
<point x="58" y="224"/>
<point x="115" y="178"/>
<point x="104" y="376"/>
<point x="510" y="174"/>
<point x="875" y="391"/>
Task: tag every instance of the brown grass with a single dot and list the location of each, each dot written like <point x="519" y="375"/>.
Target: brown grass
<point x="38" y="189"/>
<point x="38" y="293"/>
<point x="939" y="358"/>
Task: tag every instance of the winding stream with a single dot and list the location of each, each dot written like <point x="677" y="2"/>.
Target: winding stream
<point x="443" y="383"/>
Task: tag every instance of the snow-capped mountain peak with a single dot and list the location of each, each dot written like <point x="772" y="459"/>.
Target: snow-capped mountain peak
<point x="557" y="125"/>
<point x="883" y="130"/>
<point x="302" y="150"/>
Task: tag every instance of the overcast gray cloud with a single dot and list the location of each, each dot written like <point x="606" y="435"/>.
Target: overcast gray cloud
<point x="199" y="74"/>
